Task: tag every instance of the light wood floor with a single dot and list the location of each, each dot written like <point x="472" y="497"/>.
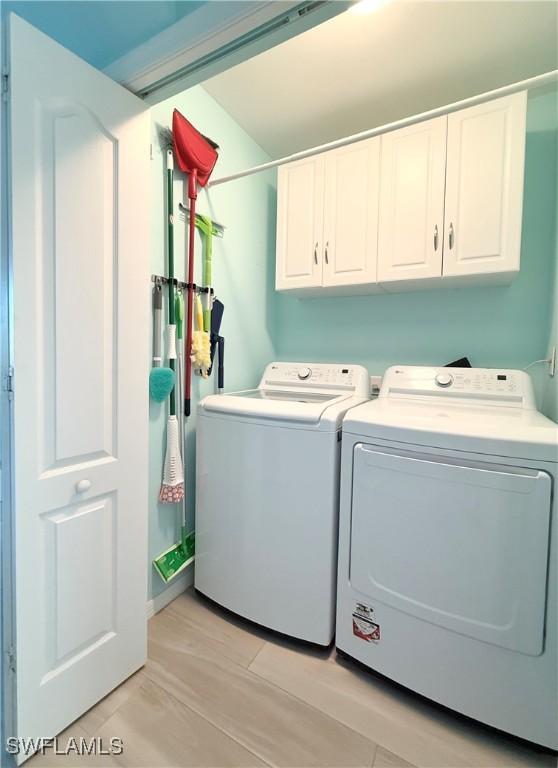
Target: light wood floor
<point x="217" y="692"/>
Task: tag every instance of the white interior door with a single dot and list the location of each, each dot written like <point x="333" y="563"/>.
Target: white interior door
<point x="300" y="193"/>
<point x="412" y="202"/>
<point x="461" y="545"/>
<point x="484" y="187"/>
<point x="79" y="191"/>
<point x="352" y="179"/>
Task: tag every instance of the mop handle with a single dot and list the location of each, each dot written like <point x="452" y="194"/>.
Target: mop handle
<point x="157" y="311"/>
<point x="170" y="235"/>
<point x="192" y="183"/>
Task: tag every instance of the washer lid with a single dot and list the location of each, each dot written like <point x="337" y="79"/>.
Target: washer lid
<point x="293" y="405"/>
<point x="288" y="396"/>
<point x="500" y="431"/>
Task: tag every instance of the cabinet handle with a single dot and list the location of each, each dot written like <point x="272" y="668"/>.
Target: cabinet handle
<point x="316" y="253"/>
<point x="326" y="256"/>
<point x="450" y="236"/>
<point x="436" y="237"/>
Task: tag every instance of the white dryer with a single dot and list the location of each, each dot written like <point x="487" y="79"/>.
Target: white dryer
<point x="447" y="579"/>
<point x="267" y="496"/>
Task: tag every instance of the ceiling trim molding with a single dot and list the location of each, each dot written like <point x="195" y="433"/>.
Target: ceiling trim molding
<point x="185" y="41"/>
<point x="206" y="31"/>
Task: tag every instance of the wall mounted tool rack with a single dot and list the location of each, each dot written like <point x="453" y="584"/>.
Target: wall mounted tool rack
<point x="217" y="230"/>
<point x="181" y="285"/>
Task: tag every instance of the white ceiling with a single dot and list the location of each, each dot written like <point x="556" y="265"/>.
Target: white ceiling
<point x="359" y="71"/>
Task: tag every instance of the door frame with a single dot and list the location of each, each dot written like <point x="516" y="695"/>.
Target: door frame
<point x="7" y="624"/>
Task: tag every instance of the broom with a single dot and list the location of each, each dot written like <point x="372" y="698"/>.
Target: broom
<point x="172" y="487"/>
<point x="196" y="155"/>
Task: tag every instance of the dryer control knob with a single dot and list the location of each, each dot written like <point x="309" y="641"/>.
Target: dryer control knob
<point x="304" y="373"/>
<point x="443" y="379"/>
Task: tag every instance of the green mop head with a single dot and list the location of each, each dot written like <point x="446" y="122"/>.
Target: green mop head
<point x="176" y="558"/>
<point x="161" y="383"/>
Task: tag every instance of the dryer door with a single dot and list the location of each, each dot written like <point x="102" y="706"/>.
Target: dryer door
<point x="463" y="545"/>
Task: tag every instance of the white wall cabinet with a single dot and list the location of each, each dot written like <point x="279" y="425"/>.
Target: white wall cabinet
<point x="410" y="236"/>
<point x="300" y="208"/>
<point x="351" y="214"/>
<point x="327" y="220"/>
<point x="484" y="188"/>
<point x="435" y="203"/>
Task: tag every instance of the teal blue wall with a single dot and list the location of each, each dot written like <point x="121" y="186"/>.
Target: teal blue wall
<point x="100" y="31"/>
<point x="243" y="276"/>
<point x="496" y="326"/>
<point x="544" y="119"/>
<point x="549" y="404"/>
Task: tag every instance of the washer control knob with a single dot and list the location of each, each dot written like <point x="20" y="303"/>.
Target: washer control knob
<point x="304" y="373"/>
<point x="443" y="379"/>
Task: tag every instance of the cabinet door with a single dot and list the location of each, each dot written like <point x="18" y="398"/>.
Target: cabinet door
<point x="412" y="202"/>
<point x="484" y="187"/>
<point x="352" y="176"/>
<point x="300" y="224"/>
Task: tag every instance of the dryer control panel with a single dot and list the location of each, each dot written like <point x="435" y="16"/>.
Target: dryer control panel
<point x="491" y="386"/>
<point x="317" y="376"/>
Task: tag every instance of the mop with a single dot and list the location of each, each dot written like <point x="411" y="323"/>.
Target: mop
<point x="172" y="487"/>
<point x="171" y="562"/>
<point x="184" y="558"/>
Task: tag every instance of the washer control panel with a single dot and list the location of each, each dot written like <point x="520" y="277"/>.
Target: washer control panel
<point x="493" y="385"/>
<point x="350" y="378"/>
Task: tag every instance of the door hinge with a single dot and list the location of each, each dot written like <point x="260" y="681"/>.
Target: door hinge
<point x="5" y="85"/>
<point x="11" y="659"/>
<point x="9" y="383"/>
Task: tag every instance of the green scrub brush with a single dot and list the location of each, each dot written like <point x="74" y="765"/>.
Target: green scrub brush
<point x="161" y="379"/>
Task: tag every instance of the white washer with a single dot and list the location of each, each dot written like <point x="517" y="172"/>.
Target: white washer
<point x="447" y="577"/>
<point x="267" y="496"/>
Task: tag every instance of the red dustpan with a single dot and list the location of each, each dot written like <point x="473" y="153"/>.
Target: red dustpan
<point x="195" y="155"/>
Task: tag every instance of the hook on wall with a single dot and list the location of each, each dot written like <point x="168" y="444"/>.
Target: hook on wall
<point x="161" y="280"/>
<point x="217" y="230"/>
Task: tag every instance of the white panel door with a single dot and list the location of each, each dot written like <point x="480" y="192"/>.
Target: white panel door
<point x="352" y="177"/>
<point x="79" y="187"/>
<point x="300" y="223"/>
<point x="484" y="187"/>
<point x="412" y="202"/>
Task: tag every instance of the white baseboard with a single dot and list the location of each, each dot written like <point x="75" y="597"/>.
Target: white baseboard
<point x="176" y="588"/>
